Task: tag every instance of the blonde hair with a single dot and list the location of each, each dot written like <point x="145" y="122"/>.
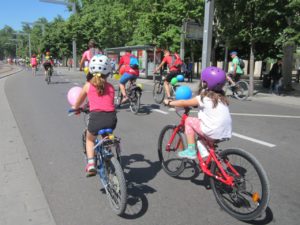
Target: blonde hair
<point x="99" y="82"/>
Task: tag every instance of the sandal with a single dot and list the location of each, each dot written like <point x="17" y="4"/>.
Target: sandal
<point x="90" y="170"/>
<point x="125" y="99"/>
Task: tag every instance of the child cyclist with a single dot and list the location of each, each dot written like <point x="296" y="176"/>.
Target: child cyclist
<point x="214" y="120"/>
<point x="100" y="95"/>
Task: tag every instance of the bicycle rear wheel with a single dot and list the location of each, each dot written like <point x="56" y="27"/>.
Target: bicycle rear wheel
<point x="135" y="101"/>
<point x="167" y="152"/>
<point x="158" y="92"/>
<point x="119" y="98"/>
<point x="249" y="197"/>
<point x="48" y="76"/>
<point x="116" y="186"/>
<point x="241" y="90"/>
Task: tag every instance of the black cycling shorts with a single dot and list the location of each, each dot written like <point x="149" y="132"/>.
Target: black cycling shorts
<point x="101" y="120"/>
<point x="171" y="75"/>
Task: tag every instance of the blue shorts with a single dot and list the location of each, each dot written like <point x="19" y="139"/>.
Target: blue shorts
<point x="126" y="77"/>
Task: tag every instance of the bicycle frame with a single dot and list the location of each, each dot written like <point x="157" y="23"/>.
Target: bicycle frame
<point x="224" y="177"/>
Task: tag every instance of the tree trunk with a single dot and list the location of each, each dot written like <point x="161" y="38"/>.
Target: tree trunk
<point x="287" y="66"/>
<point x="251" y="77"/>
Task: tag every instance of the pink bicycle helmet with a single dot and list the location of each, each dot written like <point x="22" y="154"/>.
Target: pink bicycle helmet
<point x="214" y="77"/>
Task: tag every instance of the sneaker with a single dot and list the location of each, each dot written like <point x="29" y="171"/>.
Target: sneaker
<point x="90" y="170"/>
<point x="188" y="153"/>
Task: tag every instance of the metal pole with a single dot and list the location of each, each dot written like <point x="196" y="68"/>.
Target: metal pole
<point x="251" y="77"/>
<point x="29" y="45"/>
<point x="207" y="33"/>
<point x="183" y="30"/>
<point x="74" y="42"/>
<point x="154" y="61"/>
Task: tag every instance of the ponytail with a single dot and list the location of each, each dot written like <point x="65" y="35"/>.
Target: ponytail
<point x="99" y="82"/>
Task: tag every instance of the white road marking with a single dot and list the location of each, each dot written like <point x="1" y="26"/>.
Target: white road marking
<point x="270" y="145"/>
<point x="76" y="84"/>
<point x="253" y="140"/>
<point x="264" y="115"/>
<point x="160" y="111"/>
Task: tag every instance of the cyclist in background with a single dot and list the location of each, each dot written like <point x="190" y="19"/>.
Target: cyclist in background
<point x="48" y="63"/>
<point x="102" y="115"/>
<point x="34" y="63"/>
<point x="214" y="120"/>
<point x="88" y="55"/>
<point x="174" y="69"/>
<point x="128" y="70"/>
<point x="235" y="71"/>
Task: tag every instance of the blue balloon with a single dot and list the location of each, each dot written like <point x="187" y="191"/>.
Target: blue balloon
<point x="108" y="130"/>
<point x="183" y="93"/>
<point x="180" y="77"/>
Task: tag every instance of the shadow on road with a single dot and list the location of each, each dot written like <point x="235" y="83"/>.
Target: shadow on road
<point x="138" y="172"/>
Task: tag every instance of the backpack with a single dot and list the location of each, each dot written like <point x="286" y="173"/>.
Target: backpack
<point x="176" y="61"/>
<point x="134" y="62"/>
<point x="241" y="64"/>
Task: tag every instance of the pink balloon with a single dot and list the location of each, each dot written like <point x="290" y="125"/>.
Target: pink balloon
<point x="73" y="94"/>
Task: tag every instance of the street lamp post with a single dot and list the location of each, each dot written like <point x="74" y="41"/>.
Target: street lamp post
<point x="29" y="41"/>
<point x="39" y="24"/>
<point x="207" y="32"/>
<point x="73" y="5"/>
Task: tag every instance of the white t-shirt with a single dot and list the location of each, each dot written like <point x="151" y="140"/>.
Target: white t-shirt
<point x="215" y="122"/>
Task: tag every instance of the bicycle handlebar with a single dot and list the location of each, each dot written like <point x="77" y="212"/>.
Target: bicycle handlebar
<point x="72" y="112"/>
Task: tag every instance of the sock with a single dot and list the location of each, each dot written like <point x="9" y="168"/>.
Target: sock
<point x="91" y="161"/>
<point x="191" y="147"/>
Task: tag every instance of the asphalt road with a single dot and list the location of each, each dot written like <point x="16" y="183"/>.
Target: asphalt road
<point x="53" y="141"/>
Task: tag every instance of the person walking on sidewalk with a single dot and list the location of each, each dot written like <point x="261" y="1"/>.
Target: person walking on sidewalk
<point x="276" y="75"/>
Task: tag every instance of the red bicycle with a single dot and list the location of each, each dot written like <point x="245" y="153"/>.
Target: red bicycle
<point x="239" y="182"/>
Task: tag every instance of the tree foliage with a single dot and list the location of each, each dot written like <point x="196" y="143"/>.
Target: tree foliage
<point x="267" y="24"/>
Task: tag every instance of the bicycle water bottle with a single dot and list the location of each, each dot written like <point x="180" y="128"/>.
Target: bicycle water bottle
<point x="202" y="149"/>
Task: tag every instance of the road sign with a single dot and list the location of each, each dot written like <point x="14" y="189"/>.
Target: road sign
<point x="193" y="31"/>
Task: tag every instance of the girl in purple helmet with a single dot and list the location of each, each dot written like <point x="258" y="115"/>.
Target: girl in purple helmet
<point x="214" y="120"/>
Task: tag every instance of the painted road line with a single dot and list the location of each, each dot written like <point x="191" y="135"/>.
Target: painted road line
<point x="253" y="140"/>
<point x="77" y="84"/>
<point x="265" y="115"/>
<point x="160" y="111"/>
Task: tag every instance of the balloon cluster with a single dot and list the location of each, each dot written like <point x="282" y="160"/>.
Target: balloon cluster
<point x="178" y="78"/>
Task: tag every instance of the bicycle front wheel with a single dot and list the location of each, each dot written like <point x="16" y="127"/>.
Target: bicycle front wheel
<point x="135" y="102"/>
<point x="249" y="197"/>
<point x="116" y="186"/>
<point x="241" y="90"/>
<point x="168" y="150"/>
<point x="158" y="92"/>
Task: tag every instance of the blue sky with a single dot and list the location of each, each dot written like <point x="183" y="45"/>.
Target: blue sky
<point x="13" y="12"/>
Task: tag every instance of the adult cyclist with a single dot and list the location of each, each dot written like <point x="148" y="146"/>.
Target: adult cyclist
<point x="88" y="55"/>
<point x="174" y="69"/>
<point x="48" y="64"/>
<point x="235" y="72"/>
<point x="129" y="69"/>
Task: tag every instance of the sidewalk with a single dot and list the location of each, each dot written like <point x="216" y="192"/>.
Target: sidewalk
<point x="260" y="94"/>
<point x="22" y="200"/>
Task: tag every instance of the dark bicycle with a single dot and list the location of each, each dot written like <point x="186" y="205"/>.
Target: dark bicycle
<point x="134" y="93"/>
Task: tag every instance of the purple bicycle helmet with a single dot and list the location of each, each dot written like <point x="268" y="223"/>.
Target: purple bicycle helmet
<point x="214" y="77"/>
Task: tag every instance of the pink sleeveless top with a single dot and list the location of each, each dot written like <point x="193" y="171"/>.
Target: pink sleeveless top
<point x="101" y="103"/>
